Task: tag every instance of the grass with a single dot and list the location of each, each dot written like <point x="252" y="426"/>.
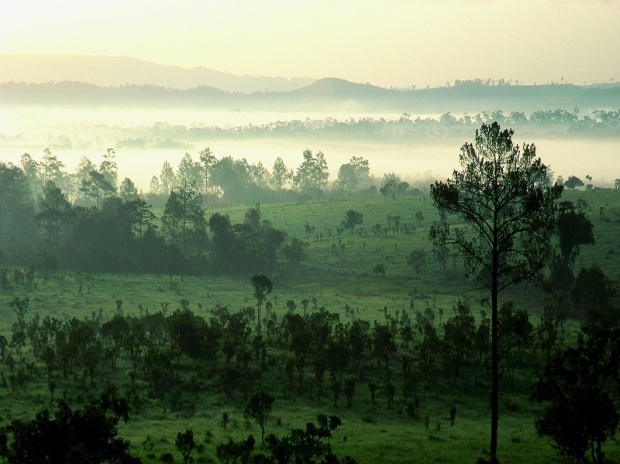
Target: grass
<point x="369" y="434"/>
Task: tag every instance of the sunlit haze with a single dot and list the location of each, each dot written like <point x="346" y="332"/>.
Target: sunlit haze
<point x="388" y="43"/>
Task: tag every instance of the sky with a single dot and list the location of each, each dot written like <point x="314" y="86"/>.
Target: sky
<point x="387" y="43"/>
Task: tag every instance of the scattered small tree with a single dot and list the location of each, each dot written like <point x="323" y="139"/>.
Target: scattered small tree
<point x="573" y="182"/>
<point x="417" y="259"/>
<point x="262" y="287"/>
<point x="352" y="219"/>
<point x="295" y="251"/>
<point x="420" y="217"/>
<point x="185" y="444"/>
<point x="259" y="408"/>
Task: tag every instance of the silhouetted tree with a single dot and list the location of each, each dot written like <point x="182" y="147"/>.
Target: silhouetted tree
<point x="417" y="259"/>
<point x="573" y="182"/>
<point x="580" y="385"/>
<point x="237" y="452"/>
<point x="185" y="444"/>
<point x="127" y="191"/>
<point x="190" y="172"/>
<point x="503" y="194"/>
<point x="515" y="332"/>
<point x="393" y="186"/>
<point x="262" y="287"/>
<point x="312" y="174"/>
<point x="280" y="174"/>
<point x="352" y="219"/>
<point x="97" y="187"/>
<point x="442" y="254"/>
<point x="231" y="176"/>
<point x="383" y="343"/>
<point x="379" y="269"/>
<point x="137" y="216"/>
<point x="354" y="175"/>
<point x="207" y="160"/>
<point x="51" y="169"/>
<point x="459" y="337"/>
<point x="574" y="229"/>
<point x="109" y="168"/>
<point x="31" y="168"/>
<point x="591" y="295"/>
<point x="295" y="251"/>
<point x="54" y="212"/>
<point x="183" y="221"/>
<point x="259" y="408"/>
<point x="16" y="207"/>
<point x="306" y="446"/>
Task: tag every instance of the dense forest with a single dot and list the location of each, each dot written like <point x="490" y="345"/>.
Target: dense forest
<point x="405" y="129"/>
<point x="433" y="358"/>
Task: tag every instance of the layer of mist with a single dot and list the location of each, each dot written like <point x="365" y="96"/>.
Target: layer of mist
<point x="411" y="145"/>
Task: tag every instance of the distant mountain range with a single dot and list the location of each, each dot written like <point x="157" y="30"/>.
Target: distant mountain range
<point x="108" y="71"/>
<point x="93" y="81"/>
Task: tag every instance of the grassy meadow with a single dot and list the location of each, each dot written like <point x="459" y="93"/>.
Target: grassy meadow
<point x="337" y="274"/>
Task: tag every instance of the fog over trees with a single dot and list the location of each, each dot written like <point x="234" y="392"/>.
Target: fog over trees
<point x="90" y="221"/>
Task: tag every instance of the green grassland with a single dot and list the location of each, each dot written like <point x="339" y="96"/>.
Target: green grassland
<point x="343" y="282"/>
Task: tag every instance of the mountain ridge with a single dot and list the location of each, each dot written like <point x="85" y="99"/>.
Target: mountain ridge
<point x="113" y="71"/>
<point x="329" y="94"/>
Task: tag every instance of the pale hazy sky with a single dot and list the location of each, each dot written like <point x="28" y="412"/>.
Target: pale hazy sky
<point x="384" y="42"/>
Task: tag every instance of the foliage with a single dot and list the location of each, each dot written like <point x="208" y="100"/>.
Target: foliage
<point x="393" y="186"/>
<point x="312" y="174"/>
<point x="185" y="444"/>
<point x="281" y="175"/>
<point x="259" y="408"/>
<point x="417" y="259"/>
<point x="83" y="435"/>
<point x="54" y="212"/>
<point x="248" y="246"/>
<point x="262" y="287"/>
<point x="16" y="207"/>
<point x="459" y="337"/>
<point x="97" y="187"/>
<point x="305" y="446"/>
<point x="573" y="182"/>
<point x="354" y="175"/>
<point x="580" y="386"/>
<point x="574" y="229"/>
<point x="352" y="219"/>
<point x="295" y="251"/>
<point x="591" y="295"/>
<point x="183" y="221"/>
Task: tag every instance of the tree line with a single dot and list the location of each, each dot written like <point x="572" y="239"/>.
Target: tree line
<point x="405" y="128"/>
<point x="89" y="221"/>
